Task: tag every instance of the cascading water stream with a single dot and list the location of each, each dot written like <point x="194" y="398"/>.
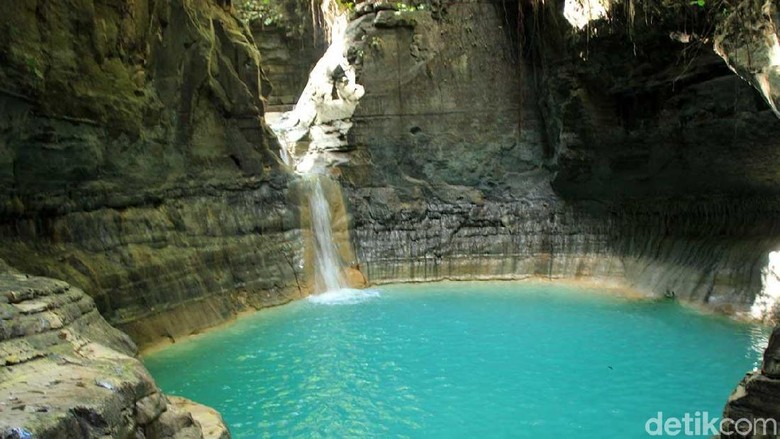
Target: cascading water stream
<point x="325" y="107"/>
<point x="331" y="286"/>
<point x="327" y="261"/>
<point x="323" y="112"/>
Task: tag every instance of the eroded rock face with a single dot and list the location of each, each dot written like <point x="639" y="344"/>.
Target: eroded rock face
<point x="67" y="373"/>
<point x="756" y="397"/>
<point x="749" y="41"/>
<point x="135" y="162"/>
<point x="100" y="97"/>
<point x="471" y="161"/>
<point x="676" y="134"/>
<point x="289" y="55"/>
<point x="467" y="160"/>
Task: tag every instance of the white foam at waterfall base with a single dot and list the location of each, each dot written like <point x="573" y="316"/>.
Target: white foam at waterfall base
<point x="344" y="296"/>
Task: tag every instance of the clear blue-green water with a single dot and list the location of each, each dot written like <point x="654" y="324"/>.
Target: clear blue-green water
<point x="465" y="360"/>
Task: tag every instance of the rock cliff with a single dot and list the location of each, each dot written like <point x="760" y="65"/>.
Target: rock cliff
<point x="756" y="398"/>
<point x="749" y="42"/>
<point x="135" y="163"/>
<point x="620" y="155"/>
<point x="67" y="373"/>
<point x="289" y="48"/>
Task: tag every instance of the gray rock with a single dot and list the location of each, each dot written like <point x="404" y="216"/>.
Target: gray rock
<point x="748" y="42"/>
<point x="771" y="365"/>
<point x="87" y="384"/>
<point x="390" y="19"/>
<point x="149" y="408"/>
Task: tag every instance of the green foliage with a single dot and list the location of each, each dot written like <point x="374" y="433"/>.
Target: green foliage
<point x="33" y="66"/>
<point x="270" y="12"/>
<point x="401" y="6"/>
<point x="292" y="16"/>
<point x="346" y="5"/>
<point x="717" y="9"/>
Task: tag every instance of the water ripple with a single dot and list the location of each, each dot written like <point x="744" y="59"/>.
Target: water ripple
<point x="461" y="360"/>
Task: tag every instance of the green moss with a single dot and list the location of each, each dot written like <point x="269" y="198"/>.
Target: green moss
<point x="33" y="66"/>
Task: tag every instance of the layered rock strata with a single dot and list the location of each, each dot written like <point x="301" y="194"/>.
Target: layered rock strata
<point x="479" y="153"/>
<point x="135" y="162"/>
<point x="476" y="152"/>
<point x="753" y="408"/>
<point x="67" y="373"/>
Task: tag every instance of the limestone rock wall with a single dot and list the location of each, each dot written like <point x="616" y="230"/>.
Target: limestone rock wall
<point x="633" y="113"/>
<point x="478" y="153"/>
<point x="189" y="262"/>
<point x="288" y="55"/>
<point x="701" y="254"/>
<point x="756" y="398"/>
<point x="67" y="373"/>
<point x="101" y="98"/>
<point x="446" y="103"/>
<point x="136" y="164"/>
<point x="749" y="41"/>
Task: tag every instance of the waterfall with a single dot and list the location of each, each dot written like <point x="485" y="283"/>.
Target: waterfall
<point x="327" y="260"/>
<point x="332" y="288"/>
<point x="324" y="114"/>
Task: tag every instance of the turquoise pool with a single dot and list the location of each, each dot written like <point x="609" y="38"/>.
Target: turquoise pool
<point x="451" y="360"/>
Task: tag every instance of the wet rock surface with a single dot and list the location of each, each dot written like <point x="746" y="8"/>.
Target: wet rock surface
<point x="65" y="372"/>
<point x="471" y="156"/>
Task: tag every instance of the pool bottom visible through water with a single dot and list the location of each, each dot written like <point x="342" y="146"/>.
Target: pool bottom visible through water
<point x="451" y="360"/>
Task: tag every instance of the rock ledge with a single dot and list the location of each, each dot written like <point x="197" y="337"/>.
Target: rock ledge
<point x="66" y="373"/>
